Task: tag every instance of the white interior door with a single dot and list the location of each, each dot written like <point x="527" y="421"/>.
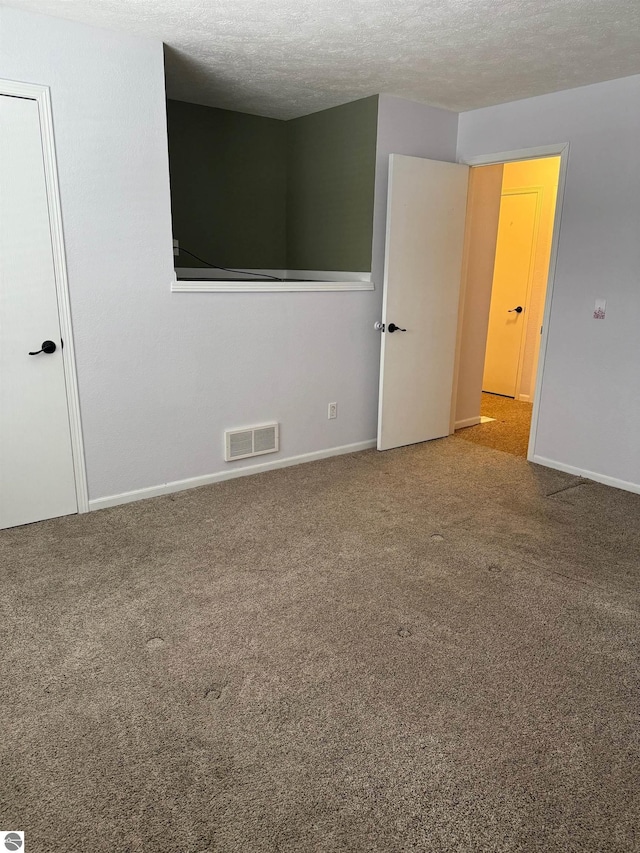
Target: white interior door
<point x="36" y="463"/>
<point x="423" y="262"/>
<point x="513" y="269"/>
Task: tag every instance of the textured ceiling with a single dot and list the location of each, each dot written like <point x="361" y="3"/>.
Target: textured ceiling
<point x="285" y="58"/>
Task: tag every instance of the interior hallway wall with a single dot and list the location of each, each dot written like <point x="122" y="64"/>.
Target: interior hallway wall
<point x="535" y="173"/>
<point x="591" y="395"/>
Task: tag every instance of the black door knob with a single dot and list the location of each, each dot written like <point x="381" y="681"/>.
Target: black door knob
<point x="47" y="347"/>
<point x="393" y="328"/>
<point x="518" y="310"/>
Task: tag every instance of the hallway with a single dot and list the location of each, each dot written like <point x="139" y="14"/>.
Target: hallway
<point x="509" y="431"/>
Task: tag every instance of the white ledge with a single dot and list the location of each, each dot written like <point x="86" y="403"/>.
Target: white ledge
<point x="309" y="280"/>
<point x="266" y="286"/>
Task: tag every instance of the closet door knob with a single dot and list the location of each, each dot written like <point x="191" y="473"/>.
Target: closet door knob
<point x="47" y="348"/>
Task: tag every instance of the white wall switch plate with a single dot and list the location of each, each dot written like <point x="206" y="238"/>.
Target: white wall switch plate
<point x="333" y="411"/>
<point x="176" y="248"/>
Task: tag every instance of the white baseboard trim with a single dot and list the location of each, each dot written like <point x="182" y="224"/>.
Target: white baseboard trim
<point x="219" y="476"/>
<point x="588" y="475"/>
<point x="467" y="422"/>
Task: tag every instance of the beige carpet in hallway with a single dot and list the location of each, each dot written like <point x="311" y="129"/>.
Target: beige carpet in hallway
<point x="509" y="431"/>
<point x="432" y="649"/>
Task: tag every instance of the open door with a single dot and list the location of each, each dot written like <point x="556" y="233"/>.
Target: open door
<point x="423" y="262"/>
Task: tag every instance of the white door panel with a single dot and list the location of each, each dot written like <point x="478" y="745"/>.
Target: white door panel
<point x="425" y="235"/>
<point x="517" y="229"/>
<point x="36" y="464"/>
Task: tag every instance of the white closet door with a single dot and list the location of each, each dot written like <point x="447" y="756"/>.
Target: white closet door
<point x="36" y="463"/>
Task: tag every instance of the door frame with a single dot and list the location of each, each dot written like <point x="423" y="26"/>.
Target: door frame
<point x="42" y="96"/>
<point x="559" y="150"/>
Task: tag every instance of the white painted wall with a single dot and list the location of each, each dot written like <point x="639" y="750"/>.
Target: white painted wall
<point x="590" y="406"/>
<point x="406" y="127"/>
<point x="162" y="374"/>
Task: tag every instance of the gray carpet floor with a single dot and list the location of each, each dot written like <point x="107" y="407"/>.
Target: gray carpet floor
<point x="432" y="649"/>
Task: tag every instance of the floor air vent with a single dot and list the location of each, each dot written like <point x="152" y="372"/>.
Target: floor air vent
<point x="254" y="441"/>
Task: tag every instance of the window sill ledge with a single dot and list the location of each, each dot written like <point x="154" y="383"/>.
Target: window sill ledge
<point x="311" y="281"/>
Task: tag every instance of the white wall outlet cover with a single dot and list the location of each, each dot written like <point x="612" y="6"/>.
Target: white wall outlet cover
<point x="600" y="309"/>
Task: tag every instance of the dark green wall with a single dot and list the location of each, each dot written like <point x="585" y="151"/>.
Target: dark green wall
<point x="248" y="191"/>
<point x="331" y="158"/>
<point x="228" y="186"/>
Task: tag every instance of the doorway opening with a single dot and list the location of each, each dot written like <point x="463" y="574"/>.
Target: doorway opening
<point x="505" y="283"/>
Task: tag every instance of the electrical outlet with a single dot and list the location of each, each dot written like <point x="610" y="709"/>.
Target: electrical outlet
<point x="176" y="248"/>
<point x="333" y="411"/>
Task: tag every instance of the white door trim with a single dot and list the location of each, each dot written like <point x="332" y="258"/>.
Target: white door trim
<point x="42" y="96"/>
<point x="561" y="150"/>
